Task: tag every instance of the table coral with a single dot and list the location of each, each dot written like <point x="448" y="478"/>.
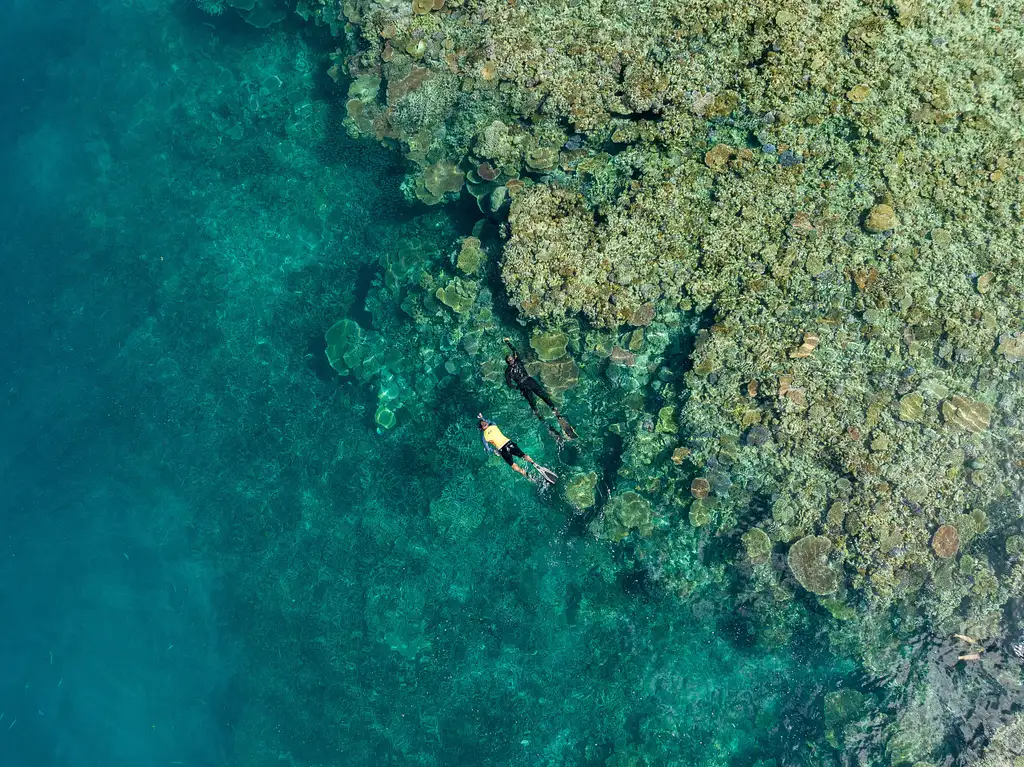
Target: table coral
<point x="808" y="561"/>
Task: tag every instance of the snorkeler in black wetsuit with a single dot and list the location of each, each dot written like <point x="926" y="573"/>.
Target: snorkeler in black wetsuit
<point x="517" y="376"/>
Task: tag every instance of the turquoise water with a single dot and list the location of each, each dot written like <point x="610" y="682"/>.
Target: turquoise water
<point x="211" y="554"/>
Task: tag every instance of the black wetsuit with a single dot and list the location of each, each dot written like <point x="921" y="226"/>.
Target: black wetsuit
<point x="516" y="375"/>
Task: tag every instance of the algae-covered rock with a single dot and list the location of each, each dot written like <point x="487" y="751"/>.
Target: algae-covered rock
<point x="624" y="514"/>
<point x="808" y="561"/>
<point x="579" y="491"/>
<point x="549" y="345"/>
<point x="758" y="545"/>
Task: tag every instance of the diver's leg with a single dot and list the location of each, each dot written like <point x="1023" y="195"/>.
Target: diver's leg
<point x="514" y="450"/>
<point x="531" y="397"/>
<point x="544" y="396"/>
<point x="509" y="453"/>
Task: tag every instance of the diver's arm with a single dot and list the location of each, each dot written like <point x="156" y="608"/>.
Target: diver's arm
<point x="483" y="440"/>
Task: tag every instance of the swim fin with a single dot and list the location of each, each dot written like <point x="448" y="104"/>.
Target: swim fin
<point x="549" y="476"/>
<point x="567" y="430"/>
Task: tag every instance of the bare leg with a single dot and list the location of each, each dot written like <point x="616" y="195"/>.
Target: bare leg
<point x="519" y="469"/>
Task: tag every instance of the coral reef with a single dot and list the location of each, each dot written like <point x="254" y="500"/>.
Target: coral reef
<point x="771" y="253"/>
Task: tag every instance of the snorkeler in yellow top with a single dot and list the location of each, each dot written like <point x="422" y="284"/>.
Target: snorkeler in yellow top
<point x="496" y="442"/>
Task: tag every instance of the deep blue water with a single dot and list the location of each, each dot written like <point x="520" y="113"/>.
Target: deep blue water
<point x="110" y="645"/>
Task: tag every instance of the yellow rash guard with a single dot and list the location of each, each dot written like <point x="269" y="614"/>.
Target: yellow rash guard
<point x="493" y="435"/>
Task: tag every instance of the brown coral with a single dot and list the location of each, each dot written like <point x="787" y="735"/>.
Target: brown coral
<point x="806" y="349"/>
<point x="967" y="414"/>
<point x="700" y="487"/>
<point x="946" y="542"/>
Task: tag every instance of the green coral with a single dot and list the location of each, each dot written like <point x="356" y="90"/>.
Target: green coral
<point x="579" y="490"/>
<point x="758" y="545"/>
<point x="350" y="351"/>
<point x="558" y="376"/>
<point x="458" y="295"/>
<point x="624" y="514"/>
<point x="549" y="345"/>
<point x="470" y="256"/>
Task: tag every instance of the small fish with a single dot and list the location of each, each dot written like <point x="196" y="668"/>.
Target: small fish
<point x="970" y="656"/>
<point x="965" y="638"/>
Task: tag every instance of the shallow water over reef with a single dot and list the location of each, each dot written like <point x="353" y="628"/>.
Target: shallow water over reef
<point x="219" y="549"/>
